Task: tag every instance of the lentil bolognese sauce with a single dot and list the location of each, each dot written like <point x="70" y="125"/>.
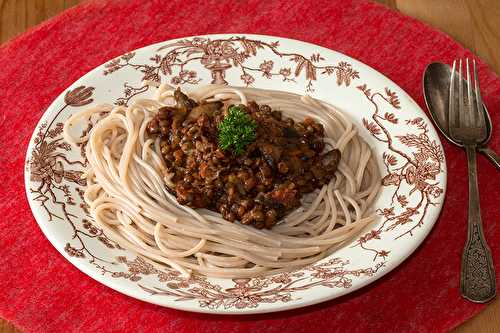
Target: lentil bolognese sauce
<point x="225" y="181"/>
<point x="256" y="184"/>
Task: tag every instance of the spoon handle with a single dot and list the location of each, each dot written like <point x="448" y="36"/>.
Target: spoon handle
<point x="477" y="279"/>
<point x="492" y="155"/>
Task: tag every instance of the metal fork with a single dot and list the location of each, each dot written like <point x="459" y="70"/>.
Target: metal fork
<point x="477" y="279"/>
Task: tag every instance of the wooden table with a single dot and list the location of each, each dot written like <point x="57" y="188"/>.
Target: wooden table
<point x="475" y="23"/>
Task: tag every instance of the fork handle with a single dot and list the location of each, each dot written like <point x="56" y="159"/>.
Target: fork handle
<point x="477" y="279"/>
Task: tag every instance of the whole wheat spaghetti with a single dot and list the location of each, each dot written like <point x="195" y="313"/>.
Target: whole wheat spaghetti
<point x="128" y="196"/>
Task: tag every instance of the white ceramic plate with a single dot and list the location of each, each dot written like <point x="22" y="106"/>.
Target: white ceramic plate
<point x="406" y="146"/>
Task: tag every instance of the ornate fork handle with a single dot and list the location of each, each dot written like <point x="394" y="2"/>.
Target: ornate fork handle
<point x="477" y="280"/>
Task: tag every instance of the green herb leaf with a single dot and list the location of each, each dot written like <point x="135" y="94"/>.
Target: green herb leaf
<point x="237" y="130"/>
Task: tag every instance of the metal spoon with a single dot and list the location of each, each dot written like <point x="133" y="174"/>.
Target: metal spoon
<point x="436" y="94"/>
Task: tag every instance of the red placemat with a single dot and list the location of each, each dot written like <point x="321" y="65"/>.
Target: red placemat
<point x="42" y="292"/>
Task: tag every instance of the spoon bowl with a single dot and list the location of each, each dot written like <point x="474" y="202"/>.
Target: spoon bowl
<point x="436" y="94"/>
<point x="436" y="84"/>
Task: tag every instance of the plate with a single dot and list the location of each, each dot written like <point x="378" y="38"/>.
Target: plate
<point x="407" y="148"/>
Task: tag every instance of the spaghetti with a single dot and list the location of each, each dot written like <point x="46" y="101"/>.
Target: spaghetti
<point x="128" y="197"/>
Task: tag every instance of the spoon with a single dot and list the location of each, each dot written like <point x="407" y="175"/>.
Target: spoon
<point x="436" y="94"/>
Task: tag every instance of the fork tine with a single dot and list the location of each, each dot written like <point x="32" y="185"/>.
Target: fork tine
<point x="451" y="106"/>
<point x="460" y="94"/>
<point x="470" y="116"/>
<point x="479" y="100"/>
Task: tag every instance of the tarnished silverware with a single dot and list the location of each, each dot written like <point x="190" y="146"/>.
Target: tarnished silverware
<point x="467" y="126"/>
<point x="436" y="85"/>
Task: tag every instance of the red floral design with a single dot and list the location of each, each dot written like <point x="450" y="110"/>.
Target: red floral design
<point x="79" y="96"/>
<point x="266" y="67"/>
<point x="247" y="79"/>
<point x="220" y="55"/>
<point x="245" y="292"/>
<point x="51" y="170"/>
<point x="417" y="171"/>
<point x="285" y="72"/>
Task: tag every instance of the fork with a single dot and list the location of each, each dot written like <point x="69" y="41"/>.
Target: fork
<point x="477" y="278"/>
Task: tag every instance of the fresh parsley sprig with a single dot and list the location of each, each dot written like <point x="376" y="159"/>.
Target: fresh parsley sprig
<point x="237" y="130"/>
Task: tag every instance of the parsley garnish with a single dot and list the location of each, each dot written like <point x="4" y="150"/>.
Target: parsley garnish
<point x="237" y="130"/>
